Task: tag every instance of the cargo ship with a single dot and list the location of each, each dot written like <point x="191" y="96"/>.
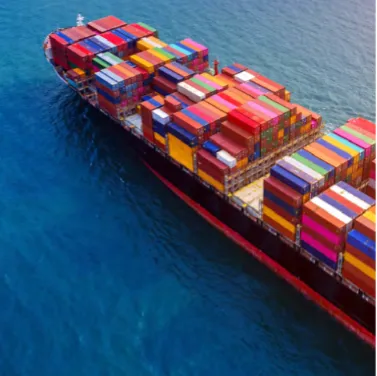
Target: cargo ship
<point x="233" y="146"/>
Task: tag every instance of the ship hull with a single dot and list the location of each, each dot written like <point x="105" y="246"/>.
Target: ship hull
<point x="345" y="305"/>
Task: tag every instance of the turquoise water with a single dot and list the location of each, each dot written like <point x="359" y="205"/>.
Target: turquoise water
<point x="102" y="270"/>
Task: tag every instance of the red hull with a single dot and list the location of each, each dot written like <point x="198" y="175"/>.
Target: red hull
<point x="335" y="312"/>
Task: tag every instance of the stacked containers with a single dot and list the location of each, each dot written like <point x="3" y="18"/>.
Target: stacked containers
<point x="169" y="76"/>
<point x="290" y="176"/>
<point x="328" y="217"/>
<point x="60" y="40"/>
<point x="119" y="88"/>
<point x="362" y="133"/>
<point x="371" y="187"/>
<point x="211" y="169"/>
<point x="146" y="109"/>
<point x="182" y="145"/>
<point x="359" y="265"/>
<point x="161" y="117"/>
<point x="243" y="74"/>
<point x="120" y="45"/>
<point x="282" y="205"/>
<point x="105" y="24"/>
<point x="199" y="63"/>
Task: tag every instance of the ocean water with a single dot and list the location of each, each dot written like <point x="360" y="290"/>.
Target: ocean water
<point x="103" y="271"/>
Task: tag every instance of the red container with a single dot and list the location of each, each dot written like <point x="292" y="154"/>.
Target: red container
<point x="142" y="30"/>
<point x="211" y="166"/>
<point x="164" y="84"/>
<point x="146" y="109"/>
<point x="189" y="124"/>
<point x="280" y="211"/>
<point x="290" y="106"/>
<point x="58" y="44"/>
<point x="360" y="279"/>
<point x="238" y="135"/>
<point x="224" y="95"/>
<point x="120" y="43"/>
<point x="218" y="115"/>
<point x="79" y="56"/>
<point x="364" y="123"/>
<point x="173" y="104"/>
<point x="106" y="24"/>
<point x="234" y="149"/>
<point x="247" y="124"/>
<point x="365" y="227"/>
<point x="148" y="133"/>
<point x="283" y="192"/>
<point x="107" y="106"/>
<point x="203" y="115"/>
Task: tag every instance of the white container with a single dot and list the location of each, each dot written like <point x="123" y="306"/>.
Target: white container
<point x="105" y="41"/>
<point x="226" y="158"/>
<point x="114" y="76"/>
<point x="150" y="42"/>
<point x="190" y="92"/>
<point x="333" y="211"/>
<point x="314" y="174"/>
<point x="161" y="116"/>
<point x="350" y="197"/>
<point x="108" y="59"/>
<point x="243" y="77"/>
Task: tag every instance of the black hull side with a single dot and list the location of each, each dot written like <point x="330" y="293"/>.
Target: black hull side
<point x="350" y="302"/>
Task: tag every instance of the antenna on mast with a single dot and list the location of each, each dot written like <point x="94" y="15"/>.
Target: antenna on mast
<point x="79" y="20"/>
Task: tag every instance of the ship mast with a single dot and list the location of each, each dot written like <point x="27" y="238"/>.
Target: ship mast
<point x="79" y="20"/>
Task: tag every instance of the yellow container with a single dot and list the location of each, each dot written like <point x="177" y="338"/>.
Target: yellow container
<point x="370" y="215"/>
<point x="210" y="180"/>
<point x="142" y="63"/>
<point x="79" y="71"/>
<point x="159" y="138"/>
<point x="293" y="119"/>
<point x="143" y="45"/>
<point x="281" y="134"/>
<point x="367" y="270"/>
<point x="181" y="152"/>
<point x="158" y="41"/>
<point x="242" y="163"/>
<point x="138" y="109"/>
<point x="343" y="147"/>
<point x="287" y="95"/>
<point x="279" y="219"/>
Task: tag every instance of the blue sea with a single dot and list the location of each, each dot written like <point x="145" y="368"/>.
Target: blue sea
<point x="103" y="271"/>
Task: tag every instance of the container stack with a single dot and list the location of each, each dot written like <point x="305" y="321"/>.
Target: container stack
<point x="120" y="46"/>
<point x="371" y="187"/>
<point x="61" y="40"/>
<point x="212" y="169"/>
<point x="199" y="63"/>
<point x="146" y="109"/>
<point x="169" y="76"/>
<point x="244" y="75"/>
<point x="182" y="145"/>
<point x="292" y="182"/>
<point x="359" y="265"/>
<point x="361" y="133"/>
<point x="328" y="218"/>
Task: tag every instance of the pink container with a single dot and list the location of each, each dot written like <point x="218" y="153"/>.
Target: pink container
<point x="319" y="247"/>
<point x="354" y="140"/>
<point x="224" y="102"/>
<point x="321" y="230"/>
<point x="260" y="108"/>
<point x="208" y="82"/>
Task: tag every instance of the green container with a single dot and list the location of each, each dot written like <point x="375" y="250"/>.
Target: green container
<point x="145" y="26"/>
<point x="309" y="164"/>
<point x="203" y="85"/>
<point x="71" y="65"/>
<point x="113" y="57"/>
<point x="278" y="106"/>
<point x="367" y="139"/>
<point x="100" y="64"/>
<point x="165" y="53"/>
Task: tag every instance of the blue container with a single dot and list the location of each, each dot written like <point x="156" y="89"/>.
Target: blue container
<point x="170" y="75"/>
<point x="293" y="170"/>
<point x="155" y="103"/>
<point x="211" y="147"/>
<point x="186" y="137"/>
<point x="192" y="52"/>
<point x="258" y="87"/>
<point x="335" y="204"/>
<point x="238" y="70"/>
<point x="310" y="157"/>
<point x="130" y="42"/>
<point x="106" y="81"/>
<point x="205" y="58"/>
<point x="343" y="141"/>
<point x="108" y="97"/>
<point x="159" y="128"/>
<point x="291" y="180"/>
<point x="61" y="35"/>
<point x="182" y="50"/>
<point x="320" y="256"/>
<point x="100" y="44"/>
<point x="146" y="98"/>
<point x="91" y="46"/>
<point x="283" y="205"/>
<point x="362" y="196"/>
<point x="362" y="243"/>
<point x="182" y="67"/>
<point x="160" y="91"/>
<point x="196" y="118"/>
<point x="131" y="64"/>
<point x="184" y="105"/>
<point x="338" y="151"/>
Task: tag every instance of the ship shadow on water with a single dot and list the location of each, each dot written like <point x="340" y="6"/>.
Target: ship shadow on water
<point x="222" y="264"/>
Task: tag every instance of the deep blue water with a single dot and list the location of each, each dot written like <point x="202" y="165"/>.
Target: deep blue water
<point x="102" y="270"/>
